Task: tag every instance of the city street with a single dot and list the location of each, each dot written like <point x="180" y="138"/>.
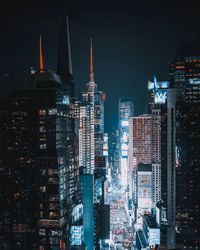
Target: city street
<point x="121" y="234"/>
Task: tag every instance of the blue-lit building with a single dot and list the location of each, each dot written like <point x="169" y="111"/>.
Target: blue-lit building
<point x="126" y="110"/>
<point x="87" y="192"/>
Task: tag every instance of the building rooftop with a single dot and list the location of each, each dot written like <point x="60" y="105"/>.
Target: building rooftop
<point x="144" y="167"/>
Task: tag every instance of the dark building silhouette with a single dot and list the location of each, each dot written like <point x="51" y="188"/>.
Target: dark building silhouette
<point x="38" y="167"/>
<point x="181" y="147"/>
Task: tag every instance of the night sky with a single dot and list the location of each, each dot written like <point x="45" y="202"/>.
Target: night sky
<point x="132" y="41"/>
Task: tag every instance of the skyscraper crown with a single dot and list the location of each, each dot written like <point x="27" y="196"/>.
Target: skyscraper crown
<point x="64" y="61"/>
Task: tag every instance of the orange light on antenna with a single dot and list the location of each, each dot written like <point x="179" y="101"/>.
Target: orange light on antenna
<point x="41" y="57"/>
<point x="91" y="62"/>
<point x="103" y="97"/>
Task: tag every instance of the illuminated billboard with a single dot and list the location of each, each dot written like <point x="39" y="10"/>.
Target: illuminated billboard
<point x="125" y="137"/>
<point x="144" y="180"/>
<point x="105" y="144"/>
<point x="160" y="96"/>
<point x="124" y="154"/>
<point x="195" y="80"/>
<point x="144" y="192"/>
<point x="76" y="235"/>
<point x="145" y="203"/>
<point x="105" y="152"/>
<point x="154" y="236"/>
<point x="124" y="123"/>
<point x="124" y="147"/>
<point x="158" y="85"/>
<point x="77" y="212"/>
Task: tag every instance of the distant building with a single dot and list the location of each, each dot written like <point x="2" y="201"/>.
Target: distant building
<point x="113" y="154"/>
<point x="141" y="139"/>
<point x="126" y="110"/>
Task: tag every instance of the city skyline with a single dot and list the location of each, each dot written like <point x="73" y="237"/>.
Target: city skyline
<point x="132" y="42"/>
<point x="99" y="126"/>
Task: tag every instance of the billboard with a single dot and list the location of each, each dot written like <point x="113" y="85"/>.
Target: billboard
<point x="76" y="235"/>
<point x="157" y="85"/>
<point x="77" y="212"/>
<point x="144" y="180"/>
<point x="154" y="236"/>
<point x="195" y="80"/>
<point x="124" y="123"/>
<point x="160" y="96"/>
<point x="145" y="203"/>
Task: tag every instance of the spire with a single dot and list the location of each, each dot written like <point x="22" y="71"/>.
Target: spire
<point x="64" y="61"/>
<point x="155" y="82"/>
<point x="41" y="57"/>
<point x="91" y="85"/>
<point x="91" y="63"/>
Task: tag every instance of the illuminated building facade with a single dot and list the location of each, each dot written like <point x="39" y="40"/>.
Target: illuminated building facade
<point x="113" y="152"/>
<point x="91" y="131"/>
<point x="144" y="190"/>
<point x="126" y="110"/>
<point x="39" y="171"/>
<point x="157" y="98"/>
<point x="99" y="99"/>
<point x="157" y="93"/>
<point x="93" y="150"/>
<point x="140" y="144"/>
<point x="141" y="140"/>
<point x="46" y="152"/>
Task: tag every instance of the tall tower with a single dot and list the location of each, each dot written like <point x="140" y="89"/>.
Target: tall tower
<point x="157" y="97"/>
<point x="64" y="61"/>
<point x="41" y="170"/>
<point x="91" y="121"/>
<point x="183" y="149"/>
<point x="86" y="131"/>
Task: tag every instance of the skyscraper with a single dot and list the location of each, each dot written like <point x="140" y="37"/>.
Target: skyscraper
<point x="92" y="148"/>
<point x="91" y="122"/>
<point x="183" y="150"/>
<point x="157" y="97"/>
<point x="140" y="130"/>
<point x="39" y="172"/>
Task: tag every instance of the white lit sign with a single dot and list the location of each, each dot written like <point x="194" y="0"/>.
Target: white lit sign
<point x="105" y="153"/>
<point x="124" y="153"/>
<point x="125" y="137"/>
<point x="124" y="123"/>
<point x="160" y="96"/>
<point x="145" y="203"/>
<point x="194" y="80"/>
<point x="76" y="235"/>
<point x="124" y="147"/>
<point x="65" y="100"/>
<point x="154" y="236"/>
